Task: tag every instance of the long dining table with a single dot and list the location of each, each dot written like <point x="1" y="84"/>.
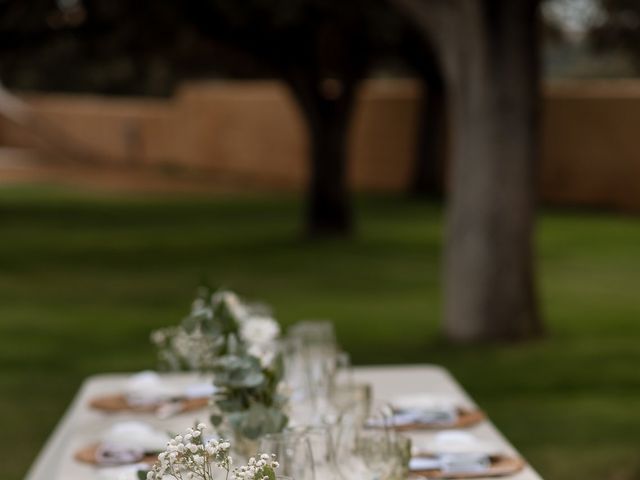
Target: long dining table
<point x="82" y="425"/>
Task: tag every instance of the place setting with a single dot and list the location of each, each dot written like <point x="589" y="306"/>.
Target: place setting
<point x="427" y="411"/>
<point x="148" y="392"/>
<point x="125" y="443"/>
<point x="459" y="454"/>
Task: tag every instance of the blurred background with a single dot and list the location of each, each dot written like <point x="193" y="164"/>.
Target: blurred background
<point x="377" y="163"/>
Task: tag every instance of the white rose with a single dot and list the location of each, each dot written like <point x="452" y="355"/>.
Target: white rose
<point x="259" y="330"/>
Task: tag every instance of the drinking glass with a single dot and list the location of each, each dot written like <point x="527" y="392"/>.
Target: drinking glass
<point x="325" y="466"/>
<point x="315" y="367"/>
<point x="293" y="453"/>
<point x="380" y="453"/>
<point x="352" y="399"/>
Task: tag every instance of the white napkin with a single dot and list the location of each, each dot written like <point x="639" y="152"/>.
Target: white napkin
<point x="134" y="435"/>
<point x="425" y="409"/>
<point x="424" y="463"/>
<point x="464" y="462"/>
<point x="456" y="441"/>
<point x="199" y="390"/>
<point x="454" y="451"/>
<point x="452" y="463"/>
<point x="425" y="402"/>
<point x="147" y="387"/>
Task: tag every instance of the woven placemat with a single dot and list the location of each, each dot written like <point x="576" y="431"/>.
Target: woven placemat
<point x="501" y="466"/>
<point x="119" y="403"/>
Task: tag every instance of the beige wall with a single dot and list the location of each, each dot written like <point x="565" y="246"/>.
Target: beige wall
<point x="119" y="130"/>
<point x="253" y="130"/>
<point x="591" y="144"/>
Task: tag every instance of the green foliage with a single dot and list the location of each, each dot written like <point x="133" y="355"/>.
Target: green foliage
<point x="238" y="372"/>
<point x="142" y="474"/>
<point x="616" y="30"/>
<point x="212" y="315"/>
<point x="268" y="472"/>
<point x="248" y="397"/>
<point x="101" y="48"/>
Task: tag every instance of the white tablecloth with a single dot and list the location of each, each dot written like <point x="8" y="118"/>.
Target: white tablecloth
<point x="81" y="425"/>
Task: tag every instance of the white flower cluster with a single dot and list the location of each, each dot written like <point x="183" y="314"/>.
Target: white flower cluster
<point x="257" y="330"/>
<point x="260" y="333"/>
<point x="178" y="348"/>
<point x="257" y="469"/>
<point x="189" y="457"/>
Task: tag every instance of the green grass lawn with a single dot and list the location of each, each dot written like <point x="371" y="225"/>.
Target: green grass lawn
<point x="84" y="278"/>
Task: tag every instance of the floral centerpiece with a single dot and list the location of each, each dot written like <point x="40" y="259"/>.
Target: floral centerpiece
<point x="219" y="322"/>
<point x="238" y="344"/>
<point x="191" y="456"/>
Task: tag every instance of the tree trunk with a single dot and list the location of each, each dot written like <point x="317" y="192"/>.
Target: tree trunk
<point x="427" y="178"/>
<point x="489" y="286"/>
<point x="327" y="106"/>
<point x="328" y="203"/>
<point x="488" y="50"/>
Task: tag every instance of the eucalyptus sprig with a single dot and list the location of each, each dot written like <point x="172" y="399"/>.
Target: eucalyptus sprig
<point x="248" y="395"/>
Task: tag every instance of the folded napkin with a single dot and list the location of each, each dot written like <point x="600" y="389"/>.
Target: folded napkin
<point x="127" y="438"/>
<point x="148" y="388"/>
<point x="464" y="462"/>
<point x="453" y="452"/>
<point x="425" y="402"/>
<point x="454" y="442"/>
<point x="199" y="390"/>
<point x="458" y="463"/>
<point x="420" y="409"/>
<point x="418" y="464"/>
<point x="407" y="418"/>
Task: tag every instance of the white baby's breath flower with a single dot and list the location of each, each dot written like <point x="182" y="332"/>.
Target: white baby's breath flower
<point x="256" y="469"/>
<point x="158" y="337"/>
